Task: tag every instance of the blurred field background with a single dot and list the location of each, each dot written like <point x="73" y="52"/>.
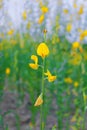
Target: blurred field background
<point x="62" y="25"/>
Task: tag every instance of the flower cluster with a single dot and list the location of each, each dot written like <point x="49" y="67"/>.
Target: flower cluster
<point x="42" y="51"/>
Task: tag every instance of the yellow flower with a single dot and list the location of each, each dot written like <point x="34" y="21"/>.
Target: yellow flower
<point x="83" y="35"/>
<point x="41" y="19"/>
<point x="80" y="10"/>
<point x="76" y="60"/>
<point x="34" y="65"/>
<point x="75" y="5"/>
<point x="24" y="15"/>
<point x="51" y="78"/>
<point x="43" y="50"/>
<point x="44" y="9"/>
<point x="39" y="101"/>
<point x="65" y="11"/>
<point x="7" y="71"/>
<point x="10" y="32"/>
<point x="75" y="45"/>
<point x="28" y="25"/>
<point x="69" y="27"/>
<point x="76" y="84"/>
<point x="68" y="80"/>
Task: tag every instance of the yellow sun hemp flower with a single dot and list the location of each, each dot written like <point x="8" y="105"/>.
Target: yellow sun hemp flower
<point x="81" y="10"/>
<point x="69" y="27"/>
<point x="65" y="11"/>
<point x="34" y="65"/>
<point x="41" y="19"/>
<point x="24" y="15"/>
<point x="10" y="32"/>
<point x="76" y="84"/>
<point x="43" y="50"/>
<point x="68" y="80"/>
<point x="7" y="71"/>
<point x="50" y="77"/>
<point x="39" y="101"/>
<point x="44" y="9"/>
<point x="75" y="45"/>
<point x="75" y="5"/>
<point x="83" y="35"/>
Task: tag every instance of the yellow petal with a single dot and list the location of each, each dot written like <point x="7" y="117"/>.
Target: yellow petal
<point x="35" y="58"/>
<point x="51" y="78"/>
<point x="39" y="100"/>
<point x="69" y="27"/>
<point x="33" y="66"/>
<point x="44" y="9"/>
<point x="41" y="19"/>
<point x="75" y="45"/>
<point x="48" y="73"/>
<point x="42" y="50"/>
<point x="7" y="71"/>
<point x="24" y="15"/>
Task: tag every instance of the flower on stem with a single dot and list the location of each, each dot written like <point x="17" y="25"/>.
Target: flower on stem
<point x="39" y="101"/>
<point x="50" y="77"/>
<point x="43" y="50"/>
<point x="34" y="65"/>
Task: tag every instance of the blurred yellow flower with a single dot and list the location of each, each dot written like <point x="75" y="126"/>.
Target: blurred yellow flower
<point x="83" y="35"/>
<point x="76" y="84"/>
<point x="44" y="9"/>
<point x="41" y="19"/>
<point x="39" y="101"/>
<point x="51" y="78"/>
<point x="10" y="32"/>
<point x="65" y="11"/>
<point x="7" y="71"/>
<point x="34" y="65"/>
<point x="75" y="45"/>
<point x="75" y="5"/>
<point x="76" y="60"/>
<point x="43" y="50"/>
<point x="28" y="25"/>
<point x="68" y="80"/>
<point x="69" y="27"/>
<point x="80" y="10"/>
<point x="24" y="15"/>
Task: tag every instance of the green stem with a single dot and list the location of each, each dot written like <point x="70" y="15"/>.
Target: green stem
<point x="43" y="91"/>
<point x="84" y="113"/>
